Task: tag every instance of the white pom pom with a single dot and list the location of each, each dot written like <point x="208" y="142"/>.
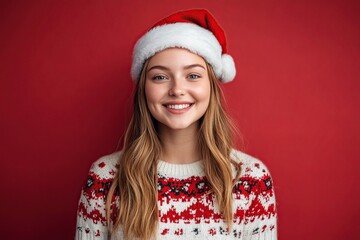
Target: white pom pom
<point x="228" y="68"/>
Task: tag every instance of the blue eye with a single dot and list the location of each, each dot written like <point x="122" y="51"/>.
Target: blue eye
<point x="159" y="77"/>
<point x="193" y="76"/>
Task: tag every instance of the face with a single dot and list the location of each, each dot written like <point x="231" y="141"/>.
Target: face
<point x="177" y="88"/>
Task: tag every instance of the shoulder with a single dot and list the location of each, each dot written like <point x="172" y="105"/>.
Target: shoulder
<point x="101" y="175"/>
<point x="254" y="176"/>
<point x="250" y="166"/>
<point x="106" y="166"/>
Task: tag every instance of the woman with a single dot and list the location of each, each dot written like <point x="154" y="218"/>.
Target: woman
<point x="178" y="176"/>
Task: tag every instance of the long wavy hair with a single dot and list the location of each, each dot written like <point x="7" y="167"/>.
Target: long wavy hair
<point x="135" y="183"/>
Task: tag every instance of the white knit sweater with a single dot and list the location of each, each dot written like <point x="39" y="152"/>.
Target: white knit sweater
<point x="187" y="209"/>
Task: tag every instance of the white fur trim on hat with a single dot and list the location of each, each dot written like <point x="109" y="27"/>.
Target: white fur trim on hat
<point x="228" y="70"/>
<point x="184" y="35"/>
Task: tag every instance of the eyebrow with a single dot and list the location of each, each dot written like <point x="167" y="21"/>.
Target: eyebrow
<point x="161" y="67"/>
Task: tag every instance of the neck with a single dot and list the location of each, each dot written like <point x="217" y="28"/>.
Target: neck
<point x="180" y="146"/>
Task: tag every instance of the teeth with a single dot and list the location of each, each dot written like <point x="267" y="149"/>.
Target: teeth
<point x="178" y="106"/>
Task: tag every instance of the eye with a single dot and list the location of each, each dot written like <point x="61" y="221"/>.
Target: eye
<point x="159" y="77"/>
<point x="194" y="76"/>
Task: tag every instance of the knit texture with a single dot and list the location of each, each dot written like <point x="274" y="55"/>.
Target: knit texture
<point x="187" y="208"/>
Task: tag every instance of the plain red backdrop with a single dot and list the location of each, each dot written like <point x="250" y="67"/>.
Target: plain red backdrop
<point x="65" y="98"/>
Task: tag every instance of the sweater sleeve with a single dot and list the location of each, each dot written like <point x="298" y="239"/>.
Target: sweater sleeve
<point x="256" y="188"/>
<point x="91" y="214"/>
<point x="261" y="216"/>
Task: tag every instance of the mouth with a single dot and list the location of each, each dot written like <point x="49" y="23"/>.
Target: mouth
<point x="178" y="106"/>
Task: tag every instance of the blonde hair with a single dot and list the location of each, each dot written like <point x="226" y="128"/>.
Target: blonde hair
<point x="136" y="179"/>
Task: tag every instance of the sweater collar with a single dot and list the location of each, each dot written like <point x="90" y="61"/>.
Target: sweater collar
<point x="181" y="171"/>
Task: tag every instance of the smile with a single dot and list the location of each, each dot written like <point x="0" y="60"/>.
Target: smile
<point x="178" y="106"/>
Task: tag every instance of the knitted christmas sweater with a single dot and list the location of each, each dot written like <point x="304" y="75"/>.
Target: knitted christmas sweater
<point x="187" y="207"/>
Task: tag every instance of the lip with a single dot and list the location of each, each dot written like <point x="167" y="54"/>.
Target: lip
<point x="175" y="103"/>
<point x="177" y="111"/>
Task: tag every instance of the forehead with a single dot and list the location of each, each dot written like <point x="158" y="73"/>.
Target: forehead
<point x="175" y="57"/>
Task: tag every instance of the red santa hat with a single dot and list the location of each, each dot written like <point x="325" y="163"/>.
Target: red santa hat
<point x="195" y="30"/>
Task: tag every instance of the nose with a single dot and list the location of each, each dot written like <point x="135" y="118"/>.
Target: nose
<point x="177" y="88"/>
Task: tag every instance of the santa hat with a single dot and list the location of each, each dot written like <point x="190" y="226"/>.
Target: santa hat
<point x="195" y="30"/>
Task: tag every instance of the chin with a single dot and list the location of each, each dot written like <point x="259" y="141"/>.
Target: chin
<point x="179" y="126"/>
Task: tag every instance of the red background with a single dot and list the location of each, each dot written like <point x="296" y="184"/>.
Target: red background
<point x="65" y="101"/>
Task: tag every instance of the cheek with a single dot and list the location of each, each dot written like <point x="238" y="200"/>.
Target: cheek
<point x="153" y="94"/>
<point x="150" y="94"/>
<point x="202" y="93"/>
